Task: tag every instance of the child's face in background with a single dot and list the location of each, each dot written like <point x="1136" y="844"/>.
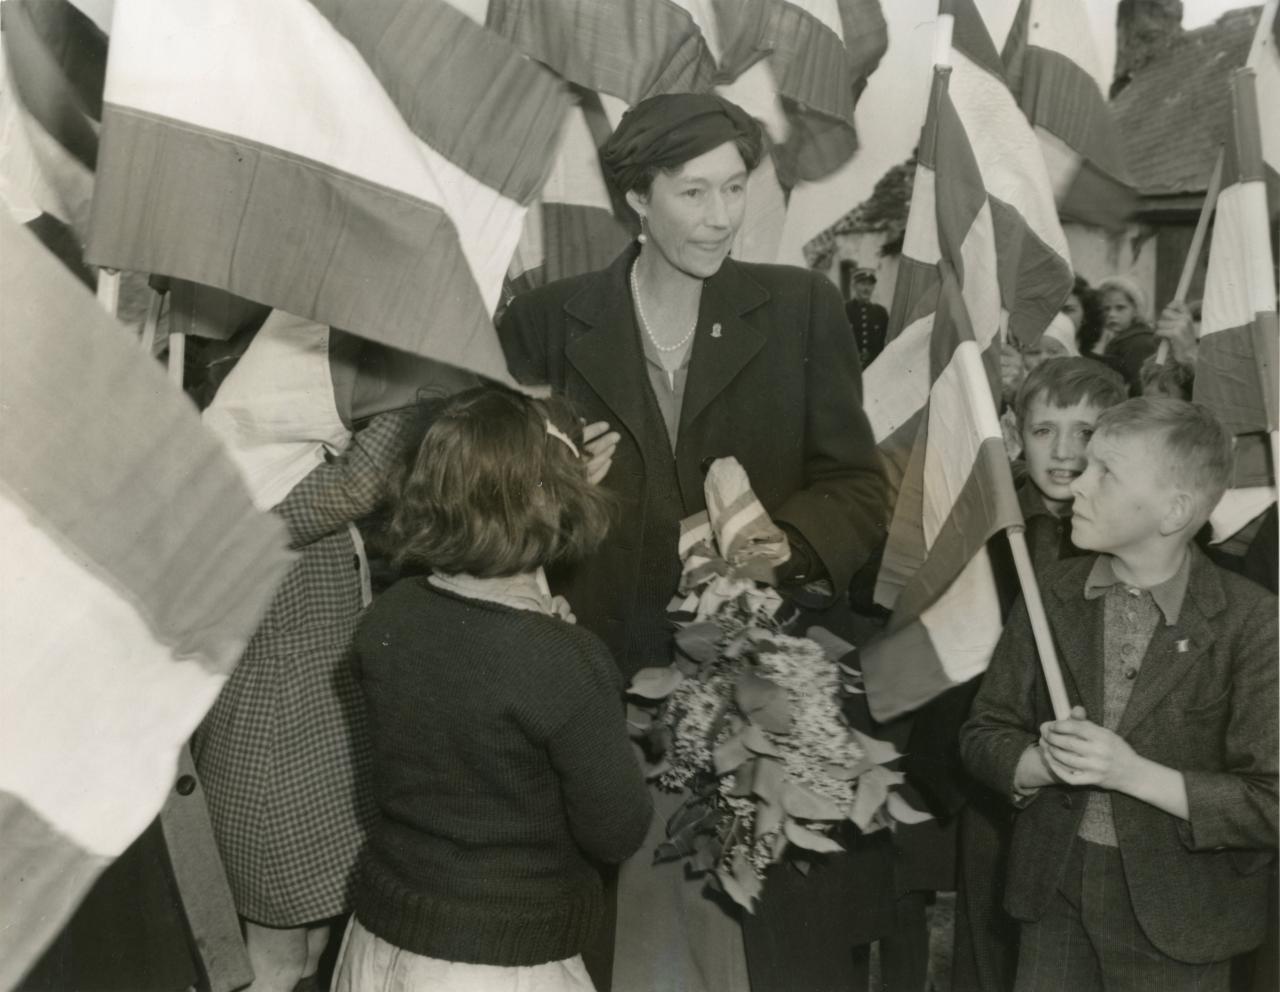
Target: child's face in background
<point x="1044" y="349"/>
<point x="1117" y="311"/>
<point x="1053" y="443"/>
<point x="1122" y="496"/>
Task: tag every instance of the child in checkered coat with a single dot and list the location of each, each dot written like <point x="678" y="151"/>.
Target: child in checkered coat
<point x="503" y="774"/>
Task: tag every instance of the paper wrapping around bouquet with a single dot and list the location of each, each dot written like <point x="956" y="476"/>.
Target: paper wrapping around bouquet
<point x="734" y="539"/>
<point x="743" y="530"/>
<point x="735" y="530"/>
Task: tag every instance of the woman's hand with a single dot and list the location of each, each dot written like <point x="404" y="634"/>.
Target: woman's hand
<point x="600" y="444"/>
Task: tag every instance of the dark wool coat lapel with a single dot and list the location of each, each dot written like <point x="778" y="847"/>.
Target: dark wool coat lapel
<point x="608" y="352"/>
<point x="724" y="343"/>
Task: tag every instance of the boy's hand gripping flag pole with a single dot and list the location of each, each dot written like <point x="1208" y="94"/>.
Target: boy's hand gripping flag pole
<point x="1197" y="245"/>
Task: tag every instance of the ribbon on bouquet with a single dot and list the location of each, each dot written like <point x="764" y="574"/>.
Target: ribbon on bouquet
<point x="734" y="538"/>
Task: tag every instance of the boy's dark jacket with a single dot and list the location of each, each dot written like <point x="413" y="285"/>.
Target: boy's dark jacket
<point x="1205" y="703"/>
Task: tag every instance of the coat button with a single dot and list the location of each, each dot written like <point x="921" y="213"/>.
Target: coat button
<point x="1066" y="802"/>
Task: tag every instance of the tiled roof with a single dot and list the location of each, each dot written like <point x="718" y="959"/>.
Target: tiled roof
<point x="1177" y="109"/>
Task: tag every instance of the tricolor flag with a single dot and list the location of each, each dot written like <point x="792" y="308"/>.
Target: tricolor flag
<point x="53" y="55"/>
<point x="364" y="165"/>
<point x="135" y="571"/>
<point x="1052" y="68"/>
<point x="1236" y="360"/>
<point x="983" y="255"/>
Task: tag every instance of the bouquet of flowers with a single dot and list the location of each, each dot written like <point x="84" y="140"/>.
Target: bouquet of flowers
<point x="748" y="719"/>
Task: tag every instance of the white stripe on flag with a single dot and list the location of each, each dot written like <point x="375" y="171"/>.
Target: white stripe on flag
<point x="1061" y="161"/>
<point x="964" y="622"/>
<point x="576" y="177"/>
<point x="85" y="675"/>
<point x="1237" y="286"/>
<point x="36" y="173"/>
<point x="961" y="416"/>
<point x="896" y="386"/>
<point x="269" y="90"/>
<point x="1236" y="508"/>
<point x="1264" y="60"/>
<point x="981" y="289"/>
<point x="1063" y="26"/>
<point x="1006" y="150"/>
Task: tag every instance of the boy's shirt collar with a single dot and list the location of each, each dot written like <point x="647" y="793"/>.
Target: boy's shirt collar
<point x="1030" y="502"/>
<point x="1169" y="595"/>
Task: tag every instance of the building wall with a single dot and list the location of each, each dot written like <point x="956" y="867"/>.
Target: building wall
<point x="864" y="251"/>
<point x="1096" y="254"/>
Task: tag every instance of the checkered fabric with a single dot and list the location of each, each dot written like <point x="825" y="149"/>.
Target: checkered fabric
<point x="284" y="753"/>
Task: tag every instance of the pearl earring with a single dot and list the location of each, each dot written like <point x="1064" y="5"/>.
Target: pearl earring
<point x="642" y="238"/>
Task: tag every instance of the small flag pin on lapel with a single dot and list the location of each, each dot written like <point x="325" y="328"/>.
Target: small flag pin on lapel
<point x="717" y="330"/>
<point x="1183" y="646"/>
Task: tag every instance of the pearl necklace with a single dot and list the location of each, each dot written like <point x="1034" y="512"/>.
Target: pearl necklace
<point x="644" y="323"/>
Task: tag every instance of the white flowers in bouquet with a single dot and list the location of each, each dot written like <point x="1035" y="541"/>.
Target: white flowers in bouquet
<point x="749" y="719"/>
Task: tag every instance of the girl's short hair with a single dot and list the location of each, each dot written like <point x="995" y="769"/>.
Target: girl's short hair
<point x="491" y="491"/>
<point x="1125" y="285"/>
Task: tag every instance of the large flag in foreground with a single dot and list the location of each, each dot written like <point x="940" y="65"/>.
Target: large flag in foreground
<point x="1236" y="364"/>
<point x="984" y="255"/>
<point x="365" y="165"/>
<point x="135" y="571"/>
<point x="54" y="59"/>
<point x="1052" y="68"/>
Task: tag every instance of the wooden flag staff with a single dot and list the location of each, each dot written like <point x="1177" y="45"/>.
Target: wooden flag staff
<point x="1039" y="623"/>
<point x="1197" y="245"/>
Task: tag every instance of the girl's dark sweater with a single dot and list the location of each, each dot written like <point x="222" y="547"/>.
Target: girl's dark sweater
<point x="502" y="771"/>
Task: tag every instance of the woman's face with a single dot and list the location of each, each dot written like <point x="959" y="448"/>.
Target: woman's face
<point x="692" y="215"/>
<point x="1074" y="309"/>
<point x="1117" y="311"/>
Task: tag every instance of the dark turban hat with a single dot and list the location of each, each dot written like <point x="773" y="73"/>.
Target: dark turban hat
<point x="668" y="130"/>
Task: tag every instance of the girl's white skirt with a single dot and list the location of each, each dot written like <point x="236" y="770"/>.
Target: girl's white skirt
<point x="367" y="963"/>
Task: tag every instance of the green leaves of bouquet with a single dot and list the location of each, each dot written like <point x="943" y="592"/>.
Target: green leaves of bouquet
<point x="749" y="722"/>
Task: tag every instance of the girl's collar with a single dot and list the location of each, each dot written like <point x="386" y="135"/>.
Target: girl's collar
<point x="526" y="591"/>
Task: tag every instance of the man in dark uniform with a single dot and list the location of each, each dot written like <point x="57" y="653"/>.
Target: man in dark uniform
<point x="869" y="320"/>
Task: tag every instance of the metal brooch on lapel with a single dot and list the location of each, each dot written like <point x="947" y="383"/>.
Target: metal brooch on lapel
<point x="716" y="330"/>
<point x="1183" y="646"/>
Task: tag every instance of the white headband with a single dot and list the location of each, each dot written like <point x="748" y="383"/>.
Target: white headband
<point x="560" y="435"/>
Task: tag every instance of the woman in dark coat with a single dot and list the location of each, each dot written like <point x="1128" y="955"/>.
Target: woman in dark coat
<point x="677" y="355"/>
